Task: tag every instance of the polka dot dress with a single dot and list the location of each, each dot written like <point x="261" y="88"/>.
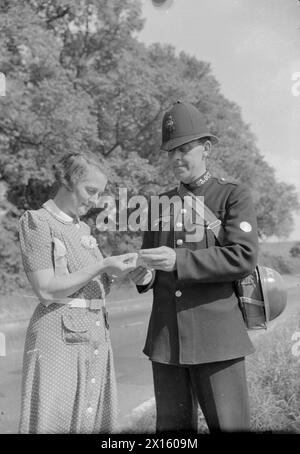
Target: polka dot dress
<point x="68" y="383"/>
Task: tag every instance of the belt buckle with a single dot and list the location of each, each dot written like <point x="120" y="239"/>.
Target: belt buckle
<point x="214" y="224"/>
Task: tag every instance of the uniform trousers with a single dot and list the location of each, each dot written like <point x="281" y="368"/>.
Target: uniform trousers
<point x="220" y="388"/>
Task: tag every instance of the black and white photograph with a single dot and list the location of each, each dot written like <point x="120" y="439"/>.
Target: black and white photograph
<point x="150" y="219"/>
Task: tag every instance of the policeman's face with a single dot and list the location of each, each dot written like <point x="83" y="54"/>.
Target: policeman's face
<point x="86" y="191"/>
<point x="189" y="160"/>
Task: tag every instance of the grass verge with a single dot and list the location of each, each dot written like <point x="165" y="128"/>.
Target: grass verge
<point x="273" y="380"/>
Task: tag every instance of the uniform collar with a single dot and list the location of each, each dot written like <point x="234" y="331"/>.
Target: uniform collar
<point x="60" y="215"/>
<point x="199" y="181"/>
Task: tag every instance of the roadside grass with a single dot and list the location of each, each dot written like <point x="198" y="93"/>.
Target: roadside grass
<point x="274" y="379"/>
<point x="274" y="385"/>
<point x="277" y="256"/>
<point x="280" y="247"/>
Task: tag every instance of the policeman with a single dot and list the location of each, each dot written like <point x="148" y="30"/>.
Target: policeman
<point x="197" y="340"/>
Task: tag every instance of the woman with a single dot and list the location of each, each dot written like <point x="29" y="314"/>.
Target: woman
<point x="68" y="375"/>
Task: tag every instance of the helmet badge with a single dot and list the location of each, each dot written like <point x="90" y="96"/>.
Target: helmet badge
<point x="170" y="124"/>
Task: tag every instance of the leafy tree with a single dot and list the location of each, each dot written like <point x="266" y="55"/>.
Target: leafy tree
<point x="78" y="78"/>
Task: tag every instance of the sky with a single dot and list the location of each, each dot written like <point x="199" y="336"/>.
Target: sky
<point x="253" y="47"/>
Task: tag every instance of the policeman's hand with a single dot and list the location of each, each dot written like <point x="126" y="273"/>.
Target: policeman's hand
<point x="119" y="265"/>
<point x="141" y="275"/>
<point x="161" y="258"/>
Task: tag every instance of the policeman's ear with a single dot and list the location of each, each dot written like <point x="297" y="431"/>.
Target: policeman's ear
<point x="207" y="148"/>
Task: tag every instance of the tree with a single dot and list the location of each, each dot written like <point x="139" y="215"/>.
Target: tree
<point x="78" y="78"/>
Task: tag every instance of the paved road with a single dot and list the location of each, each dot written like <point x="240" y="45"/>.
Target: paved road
<point x="128" y="325"/>
<point x="128" y="322"/>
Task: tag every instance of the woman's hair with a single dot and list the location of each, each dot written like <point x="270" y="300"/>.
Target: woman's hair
<point x="72" y="167"/>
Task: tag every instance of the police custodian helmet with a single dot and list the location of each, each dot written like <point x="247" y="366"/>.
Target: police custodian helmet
<point x="181" y="124"/>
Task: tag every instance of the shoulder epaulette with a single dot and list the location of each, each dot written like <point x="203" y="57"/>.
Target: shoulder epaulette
<point x="226" y="181"/>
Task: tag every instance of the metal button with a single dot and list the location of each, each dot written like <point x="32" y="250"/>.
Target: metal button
<point x="96" y="352"/>
<point x="89" y="410"/>
<point x="93" y="380"/>
<point x="179" y="225"/>
<point x="178" y="293"/>
<point x="179" y="242"/>
<point x="98" y="323"/>
<point x="183" y="210"/>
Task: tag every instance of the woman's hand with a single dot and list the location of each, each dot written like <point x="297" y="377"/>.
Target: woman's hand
<point x="141" y="275"/>
<point x="49" y="287"/>
<point x="119" y="265"/>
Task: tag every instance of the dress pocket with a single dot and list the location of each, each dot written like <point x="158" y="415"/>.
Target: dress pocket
<point x="75" y="329"/>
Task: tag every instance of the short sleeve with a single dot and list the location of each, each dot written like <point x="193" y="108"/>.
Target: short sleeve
<point x="35" y="242"/>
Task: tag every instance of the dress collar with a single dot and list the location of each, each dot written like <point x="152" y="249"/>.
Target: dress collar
<point x="60" y="215"/>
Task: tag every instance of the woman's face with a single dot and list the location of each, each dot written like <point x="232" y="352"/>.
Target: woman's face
<point x="86" y="192"/>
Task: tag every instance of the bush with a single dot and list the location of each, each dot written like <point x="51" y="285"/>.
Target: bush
<point x="279" y="263"/>
<point x="295" y="250"/>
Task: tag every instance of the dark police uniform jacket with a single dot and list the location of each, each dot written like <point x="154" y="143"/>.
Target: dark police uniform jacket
<point x="195" y="315"/>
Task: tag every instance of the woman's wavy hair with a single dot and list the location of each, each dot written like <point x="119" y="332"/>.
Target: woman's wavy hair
<point x="72" y="167"/>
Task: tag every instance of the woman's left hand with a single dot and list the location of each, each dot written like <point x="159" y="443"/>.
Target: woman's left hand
<point x="120" y="265"/>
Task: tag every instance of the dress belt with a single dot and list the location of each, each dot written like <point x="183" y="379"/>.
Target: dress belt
<point x="92" y="304"/>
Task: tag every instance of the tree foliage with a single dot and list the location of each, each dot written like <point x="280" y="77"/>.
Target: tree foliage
<point x="78" y="78"/>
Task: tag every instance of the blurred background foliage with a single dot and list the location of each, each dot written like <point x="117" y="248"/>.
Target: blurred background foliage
<point x="78" y="78"/>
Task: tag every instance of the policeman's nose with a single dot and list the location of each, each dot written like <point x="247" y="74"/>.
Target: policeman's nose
<point x="175" y="155"/>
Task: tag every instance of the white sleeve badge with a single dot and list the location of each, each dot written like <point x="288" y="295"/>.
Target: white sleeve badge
<point x="245" y="226"/>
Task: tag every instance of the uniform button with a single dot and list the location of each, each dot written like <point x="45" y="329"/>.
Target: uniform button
<point x="98" y="323"/>
<point x="179" y="242"/>
<point x="183" y="210"/>
<point x="178" y="293"/>
<point x="96" y="352"/>
<point x="89" y="410"/>
<point x="179" y="225"/>
<point x="93" y="380"/>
